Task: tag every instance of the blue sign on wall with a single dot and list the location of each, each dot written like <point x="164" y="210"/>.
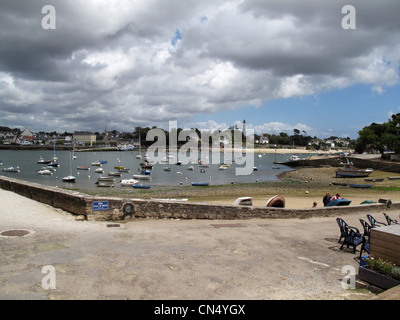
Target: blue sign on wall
<point x="100" y="206"/>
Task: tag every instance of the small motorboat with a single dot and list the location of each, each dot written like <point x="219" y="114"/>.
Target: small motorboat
<point x="105" y="185"/>
<point x="142" y="177"/>
<point x="276" y="202"/>
<point x="69" y="179"/>
<point x="53" y="164"/>
<point x="83" y="168"/>
<point x="128" y="182"/>
<point x="339" y="184"/>
<point x="338" y="202"/>
<point x="42" y="161"/>
<point x="349" y="171"/>
<point x="141" y="186"/>
<point x="44" y="172"/>
<point x="365" y="186"/>
<point x="11" y="169"/>
<point x="99" y="170"/>
<point x="200" y="184"/>
<point x="114" y="173"/>
<point x="244" y="201"/>
<point x="167" y="169"/>
<point x="109" y="179"/>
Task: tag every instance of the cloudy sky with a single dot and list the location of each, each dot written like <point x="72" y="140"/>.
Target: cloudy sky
<point x="278" y="64"/>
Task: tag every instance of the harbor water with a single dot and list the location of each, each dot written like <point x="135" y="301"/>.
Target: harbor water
<point x="177" y="175"/>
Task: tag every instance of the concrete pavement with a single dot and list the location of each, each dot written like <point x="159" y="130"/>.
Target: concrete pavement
<point x="170" y="259"/>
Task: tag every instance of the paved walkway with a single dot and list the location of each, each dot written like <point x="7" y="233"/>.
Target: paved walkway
<point x="170" y="259"/>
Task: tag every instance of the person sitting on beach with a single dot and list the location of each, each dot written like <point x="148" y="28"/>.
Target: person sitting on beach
<point x="335" y="197"/>
<point x="326" y="199"/>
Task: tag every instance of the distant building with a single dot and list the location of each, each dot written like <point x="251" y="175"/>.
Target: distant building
<point x="83" y="137"/>
<point x="264" y="139"/>
<point x="27" y="135"/>
<point x="68" y="140"/>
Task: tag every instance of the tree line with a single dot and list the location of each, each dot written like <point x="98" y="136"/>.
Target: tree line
<point x="380" y="137"/>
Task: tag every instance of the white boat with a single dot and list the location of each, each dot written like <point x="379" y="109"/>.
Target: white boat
<point x="104" y="184"/>
<point x="128" y="182"/>
<point x="294" y="158"/>
<point x="126" y="147"/>
<point x="42" y="161"/>
<point x="74" y="157"/>
<point x="349" y="171"/>
<point x="191" y="168"/>
<point x="52" y="169"/>
<point x="114" y="173"/>
<point x="44" y="172"/>
<point x="11" y="169"/>
<point x="142" y="177"/>
<point x="222" y="168"/>
<point x="69" y="179"/>
<point x="99" y="170"/>
<point x="106" y="179"/>
<point x="244" y="201"/>
<point x="97" y="163"/>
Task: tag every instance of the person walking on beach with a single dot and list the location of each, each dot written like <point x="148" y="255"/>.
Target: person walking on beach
<point x="326" y="199"/>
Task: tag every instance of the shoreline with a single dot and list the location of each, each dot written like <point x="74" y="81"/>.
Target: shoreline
<point x="227" y="150"/>
<point x="300" y="187"/>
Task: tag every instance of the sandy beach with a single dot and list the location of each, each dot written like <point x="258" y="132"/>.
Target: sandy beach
<point x="300" y="188"/>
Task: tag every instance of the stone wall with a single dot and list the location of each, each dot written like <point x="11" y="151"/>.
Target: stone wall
<point x="115" y="208"/>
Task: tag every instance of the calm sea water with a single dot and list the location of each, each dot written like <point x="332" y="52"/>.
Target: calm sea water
<point x="179" y="174"/>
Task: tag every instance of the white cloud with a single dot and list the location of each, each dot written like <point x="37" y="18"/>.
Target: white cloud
<point x="117" y="57"/>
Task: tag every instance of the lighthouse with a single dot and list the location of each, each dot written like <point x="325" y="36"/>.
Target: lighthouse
<point x="244" y="127"/>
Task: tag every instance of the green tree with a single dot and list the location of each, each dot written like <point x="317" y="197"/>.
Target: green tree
<point x="380" y="137"/>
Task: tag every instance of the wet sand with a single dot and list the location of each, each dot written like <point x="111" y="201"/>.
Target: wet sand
<point x="300" y="188"/>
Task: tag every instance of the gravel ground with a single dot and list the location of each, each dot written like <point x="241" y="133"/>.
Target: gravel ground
<point x="256" y="259"/>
